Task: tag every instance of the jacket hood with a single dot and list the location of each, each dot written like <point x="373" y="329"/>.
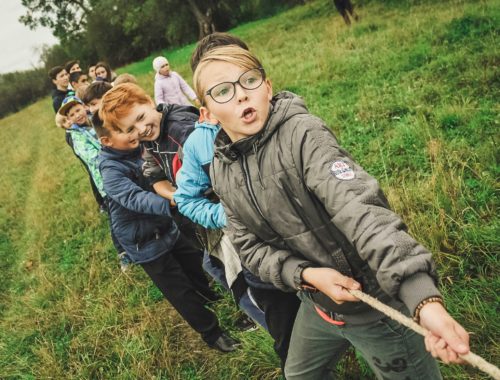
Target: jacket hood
<point x="284" y="106"/>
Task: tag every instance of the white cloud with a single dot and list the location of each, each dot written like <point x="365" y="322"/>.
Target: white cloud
<point x="19" y="44"/>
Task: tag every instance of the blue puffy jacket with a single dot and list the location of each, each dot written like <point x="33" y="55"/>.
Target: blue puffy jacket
<point x="193" y="179"/>
<point x="140" y="219"/>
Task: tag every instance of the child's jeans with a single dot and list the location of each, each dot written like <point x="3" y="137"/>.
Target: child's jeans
<point x="245" y="302"/>
<point x="392" y="351"/>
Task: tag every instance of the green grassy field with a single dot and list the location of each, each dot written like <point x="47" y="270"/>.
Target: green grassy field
<point x="411" y="91"/>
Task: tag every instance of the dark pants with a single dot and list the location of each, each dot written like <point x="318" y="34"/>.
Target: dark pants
<point x="180" y="277"/>
<point x="345" y="8"/>
<point x="393" y="351"/>
<point x="280" y="309"/>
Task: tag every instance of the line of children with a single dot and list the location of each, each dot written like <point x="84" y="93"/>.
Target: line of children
<point x="163" y="131"/>
<point x="301" y="214"/>
<point x="82" y="139"/>
<point x="144" y="225"/>
<point x="304" y="216"/>
<point x="83" y="142"/>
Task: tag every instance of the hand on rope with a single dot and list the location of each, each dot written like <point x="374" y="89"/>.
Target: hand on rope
<point x="453" y="333"/>
<point x="332" y="283"/>
<point x="446" y="339"/>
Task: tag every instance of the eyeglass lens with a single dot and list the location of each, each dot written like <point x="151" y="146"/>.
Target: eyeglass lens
<point x="249" y="80"/>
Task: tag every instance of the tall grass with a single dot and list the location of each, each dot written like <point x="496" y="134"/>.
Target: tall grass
<point x="411" y="91"/>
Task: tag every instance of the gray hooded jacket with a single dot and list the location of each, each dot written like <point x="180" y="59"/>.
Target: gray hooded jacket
<point x="294" y="198"/>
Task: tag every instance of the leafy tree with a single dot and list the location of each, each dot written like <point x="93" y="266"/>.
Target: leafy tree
<point x="66" y="18"/>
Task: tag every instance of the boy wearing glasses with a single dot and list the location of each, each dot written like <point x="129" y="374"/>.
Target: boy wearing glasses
<point x="195" y="199"/>
<point x="304" y="216"/>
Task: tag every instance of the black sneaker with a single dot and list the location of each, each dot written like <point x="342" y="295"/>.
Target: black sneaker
<point x="245" y="324"/>
<point x="225" y="343"/>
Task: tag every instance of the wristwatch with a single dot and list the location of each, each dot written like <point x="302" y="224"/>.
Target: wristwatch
<point x="299" y="281"/>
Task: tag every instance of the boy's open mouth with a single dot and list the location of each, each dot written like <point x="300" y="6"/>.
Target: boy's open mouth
<point x="249" y="114"/>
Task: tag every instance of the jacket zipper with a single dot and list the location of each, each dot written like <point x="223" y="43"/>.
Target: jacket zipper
<point x="246" y="174"/>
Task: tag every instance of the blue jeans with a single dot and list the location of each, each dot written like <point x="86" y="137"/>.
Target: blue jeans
<point x="246" y="303"/>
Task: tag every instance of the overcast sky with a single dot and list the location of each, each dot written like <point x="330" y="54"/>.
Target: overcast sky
<point x="17" y="42"/>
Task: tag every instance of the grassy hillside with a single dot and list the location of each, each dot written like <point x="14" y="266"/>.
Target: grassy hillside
<point x="411" y="91"/>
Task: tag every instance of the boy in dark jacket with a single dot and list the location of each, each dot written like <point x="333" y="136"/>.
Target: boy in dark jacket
<point x="162" y="131"/>
<point x="304" y="216"/>
<point x="60" y="79"/>
<point x="143" y="224"/>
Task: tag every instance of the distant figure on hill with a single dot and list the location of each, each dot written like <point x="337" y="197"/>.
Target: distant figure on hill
<point x="170" y="88"/>
<point x="60" y="78"/>
<point x="346" y="8"/>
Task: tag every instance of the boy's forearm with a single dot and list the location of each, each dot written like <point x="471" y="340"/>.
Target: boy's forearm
<point x="131" y="196"/>
<point x="165" y="189"/>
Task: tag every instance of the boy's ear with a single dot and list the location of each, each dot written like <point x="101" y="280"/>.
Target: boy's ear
<point x="269" y="86"/>
<point x="106" y="141"/>
<point x="206" y="116"/>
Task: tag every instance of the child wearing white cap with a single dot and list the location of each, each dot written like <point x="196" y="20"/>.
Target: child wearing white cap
<point x="170" y="87"/>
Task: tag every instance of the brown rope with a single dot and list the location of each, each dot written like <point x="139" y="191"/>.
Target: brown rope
<point x="470" y="357"/>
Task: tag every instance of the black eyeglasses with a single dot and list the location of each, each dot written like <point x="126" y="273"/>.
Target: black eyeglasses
<point x="249" y="80"/>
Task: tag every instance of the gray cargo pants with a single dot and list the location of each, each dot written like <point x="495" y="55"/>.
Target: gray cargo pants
<point x="392" y="351"/>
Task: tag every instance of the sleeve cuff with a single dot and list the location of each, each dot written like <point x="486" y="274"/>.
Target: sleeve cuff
<point x="416" y="288"/>
<point x="289" y="272"/>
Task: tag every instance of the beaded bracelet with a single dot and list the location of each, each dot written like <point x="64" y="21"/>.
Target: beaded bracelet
<point x="416" y="316"/>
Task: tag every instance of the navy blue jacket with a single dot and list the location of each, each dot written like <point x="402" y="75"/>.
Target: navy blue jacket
<point x="140" y="219"/>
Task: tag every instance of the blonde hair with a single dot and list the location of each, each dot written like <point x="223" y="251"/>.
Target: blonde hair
<point x="125" y="78"/>
<point x="231" y="54"/>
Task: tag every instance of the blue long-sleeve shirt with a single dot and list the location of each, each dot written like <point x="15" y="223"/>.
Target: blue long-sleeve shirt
<point x="193" y="179"/>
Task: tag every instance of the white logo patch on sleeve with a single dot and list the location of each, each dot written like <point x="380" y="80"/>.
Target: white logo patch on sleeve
<point x="342" y="171"/>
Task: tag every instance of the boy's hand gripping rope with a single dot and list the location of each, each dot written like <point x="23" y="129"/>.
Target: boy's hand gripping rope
<point x="470" y="357"/>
